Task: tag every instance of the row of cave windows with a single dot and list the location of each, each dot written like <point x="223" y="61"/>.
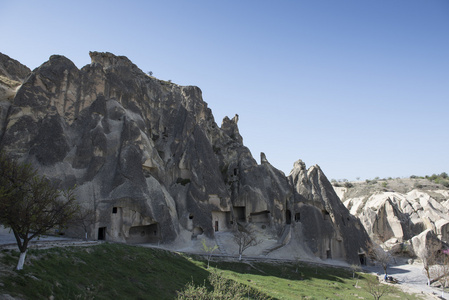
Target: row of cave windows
<point x="288" y="215"/>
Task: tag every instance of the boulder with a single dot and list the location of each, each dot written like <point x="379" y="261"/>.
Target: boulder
<point x="425" y="242"/>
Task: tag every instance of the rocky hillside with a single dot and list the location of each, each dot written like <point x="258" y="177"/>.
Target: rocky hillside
<point x="149" y="160"/>
<point x="399" y="211"/>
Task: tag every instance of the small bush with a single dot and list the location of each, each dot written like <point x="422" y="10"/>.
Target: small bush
<point x="348" y="185"/>
<point x="223" y="288"/>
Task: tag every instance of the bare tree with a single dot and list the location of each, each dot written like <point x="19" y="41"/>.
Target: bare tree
<point x="245" y="238"/>
<point x="355" y="269"/>
<point x="30" y="204"/>
<point x="377" y="253"/>
<point x="84" y="219"/>
<point x="376" y="288"/>
<point x="440" y="271"/>
<point x="428" y="255"/>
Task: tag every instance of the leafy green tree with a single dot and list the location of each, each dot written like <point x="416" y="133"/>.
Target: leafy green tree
<point x="209" y="250"/>
<point x="376" y="288"/>
<point x="30" y="204"/>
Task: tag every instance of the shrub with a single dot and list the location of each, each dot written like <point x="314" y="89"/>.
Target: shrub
<point x="348" y="185"/>
<point x="223" y="288"/>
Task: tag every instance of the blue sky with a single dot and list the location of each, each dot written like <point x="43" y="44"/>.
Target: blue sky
<point x="360" y="88"/>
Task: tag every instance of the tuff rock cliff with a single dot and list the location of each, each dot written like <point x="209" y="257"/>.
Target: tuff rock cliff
<point x="404" y="214"/>
<point x="148" y="158"/>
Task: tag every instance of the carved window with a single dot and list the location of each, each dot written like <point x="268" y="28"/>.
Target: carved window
<point x="288" y="217"/>
<point x="297" y="217"/>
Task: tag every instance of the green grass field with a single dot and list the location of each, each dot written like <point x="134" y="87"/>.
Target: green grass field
<point x="118" y="271"/>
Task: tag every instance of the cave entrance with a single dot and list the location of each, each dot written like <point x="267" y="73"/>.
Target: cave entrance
<point x="196" y="232"/>
<point x="362" y="258"/>
<point x="221" y="220"/>
<point x="101" y="233"/>
<point x="144" y="234"/>
<point x="288" y="217"/>
<point x="239" y="213"/>
<point x="260" y="217"/>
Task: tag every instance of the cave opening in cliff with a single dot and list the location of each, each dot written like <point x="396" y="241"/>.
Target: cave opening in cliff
<point x="326" y="215"/>
<point x="101" y="233"/>
<point x="288" y="217"/>
<point x="362" y="258"/>
<point x="196" y="232"/>
<point x="144" y="234"/>
<point x="239" y="213"/>
<point x="114" y="210"/>
<point x="297" y="217"/>
<point x="221" y="220"/>
<point x="260" y="217"/>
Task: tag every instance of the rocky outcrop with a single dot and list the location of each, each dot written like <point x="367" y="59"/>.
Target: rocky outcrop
<point x="401" y="216"/>
<point x="12" y="74"/>
<point x="12" y="69"/>
<point x="426" y="243"/>
<point x="148" y="158"/>
<point x="327" y="225"/>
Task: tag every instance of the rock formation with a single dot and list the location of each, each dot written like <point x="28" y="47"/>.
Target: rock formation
<point x="148" y="158"/>
<point x="402" y="212"/>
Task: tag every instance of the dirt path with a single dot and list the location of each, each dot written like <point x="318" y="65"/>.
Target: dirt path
<point x="411" y="277"/>
<point x="7" y="241"/>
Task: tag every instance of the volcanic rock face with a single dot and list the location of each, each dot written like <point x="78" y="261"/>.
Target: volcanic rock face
<point x="148" y="158"/>
<point x="12" y="74"/>
<point x="402" y="215"/>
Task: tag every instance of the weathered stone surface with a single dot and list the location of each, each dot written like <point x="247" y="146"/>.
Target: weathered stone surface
<point x="425" y="241"/>
<point x="12" y="69"/>
<point x="329" y="228"/>
<point x="12" y="74"/>
<point x="405" y="215"/>
<point x="147" y="156"/>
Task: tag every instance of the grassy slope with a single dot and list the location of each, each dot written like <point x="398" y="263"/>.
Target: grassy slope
<point x="117" y="271"/>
